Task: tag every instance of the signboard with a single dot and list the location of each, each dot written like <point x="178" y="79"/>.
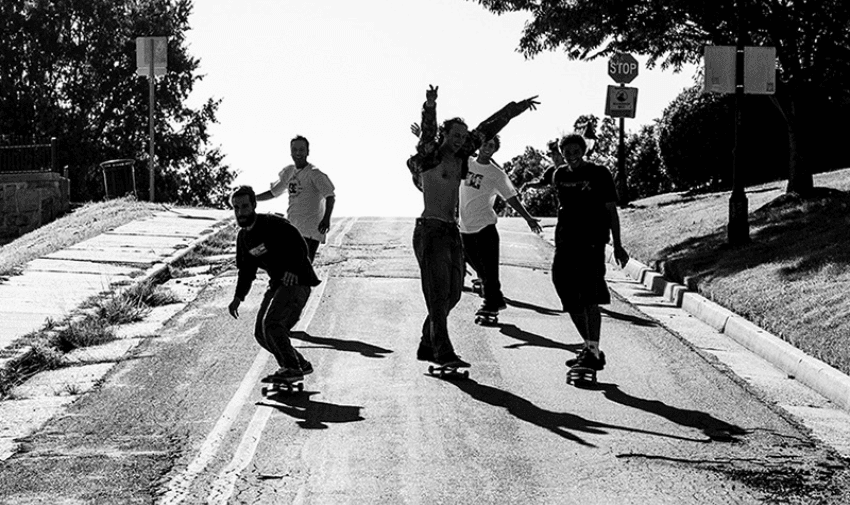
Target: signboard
<point x="719" y="69"/>
<point x="623" y="68"/>
<point x="621" y="101"/>
<point x="144" y="56"/>
<point x="759" y="70"/>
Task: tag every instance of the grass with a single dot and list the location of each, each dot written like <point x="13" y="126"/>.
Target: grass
<point x="81" y="224"/>
<point x="793" y="279"/>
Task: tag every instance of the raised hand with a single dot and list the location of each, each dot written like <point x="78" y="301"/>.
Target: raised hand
<point x="531" y="103"/>
<point x="415" y="129"/>
<point x="431" y="94"/>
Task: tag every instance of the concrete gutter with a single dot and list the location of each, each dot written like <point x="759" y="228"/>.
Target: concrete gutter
<point x="814" y="373"/>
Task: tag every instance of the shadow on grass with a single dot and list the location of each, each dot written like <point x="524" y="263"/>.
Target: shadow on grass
<point x="806" y="235"/>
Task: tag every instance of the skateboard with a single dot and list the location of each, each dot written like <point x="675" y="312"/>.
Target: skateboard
<point x="449" y="371"/>
<point x="581" y="375"/>
<point x="486" y="318"/>
<point x="276" y="385"/>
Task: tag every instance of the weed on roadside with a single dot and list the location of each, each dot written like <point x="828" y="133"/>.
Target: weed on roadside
<point x="87" y="332"/>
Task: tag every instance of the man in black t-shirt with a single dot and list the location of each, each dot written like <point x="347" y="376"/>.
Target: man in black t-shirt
<point x="270" y="242"/>
<point x="587" y="218"/>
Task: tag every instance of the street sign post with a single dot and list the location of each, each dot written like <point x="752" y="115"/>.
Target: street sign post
<point x="742" y="71"/>
<point x="151" y="60"/>
<point x="621" y="102"/>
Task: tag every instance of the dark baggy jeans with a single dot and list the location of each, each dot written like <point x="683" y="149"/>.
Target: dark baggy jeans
<point x="439" y="251"/>
<point x="481" y="250"/>
<point x="278" y="314"/>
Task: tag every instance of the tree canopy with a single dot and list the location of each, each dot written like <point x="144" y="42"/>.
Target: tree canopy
<point x="812" y="41"/>
<point x="68" y="70"/>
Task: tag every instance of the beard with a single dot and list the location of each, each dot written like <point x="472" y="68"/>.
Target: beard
<point x="246" y="221"/>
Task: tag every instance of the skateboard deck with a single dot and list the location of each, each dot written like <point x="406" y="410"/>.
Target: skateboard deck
<point x="579" y="374"/>
<point x="277" y="385"/>
<point x="449" y="371"/>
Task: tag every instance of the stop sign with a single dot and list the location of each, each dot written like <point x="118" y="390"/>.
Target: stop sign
<point x="623" y="68"/>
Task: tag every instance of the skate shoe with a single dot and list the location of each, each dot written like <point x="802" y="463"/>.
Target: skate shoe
<point x="288" y="374"/>
<point x="425" y="353"/>
<point x="488" y="308"/>
<point x="306" y="367"/>
<point x="452" y="359"/>
<point x="586" y="359"/>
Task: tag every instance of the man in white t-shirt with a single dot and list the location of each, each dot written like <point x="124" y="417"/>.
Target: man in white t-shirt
<point x="478" y="220"/>
<point x="311" y="195"/>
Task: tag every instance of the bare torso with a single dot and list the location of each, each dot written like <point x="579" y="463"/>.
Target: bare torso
<point x="440" y="189"/>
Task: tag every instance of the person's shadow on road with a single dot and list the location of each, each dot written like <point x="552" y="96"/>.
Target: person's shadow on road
<point x="528" y="339"/>
<point x="563" y="424"/>
<point x="365" y="349"/>
<point x="715" y="429"/>
<point x="313" y="415"/>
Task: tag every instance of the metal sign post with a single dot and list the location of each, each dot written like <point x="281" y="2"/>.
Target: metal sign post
<point x="151" y="60"/>
<point x="623" y="68"/>
<point x="739" y="70"/>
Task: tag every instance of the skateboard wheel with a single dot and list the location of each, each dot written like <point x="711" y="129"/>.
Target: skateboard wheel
<point x="265" y="391"/>
<point x="300" y="387"/>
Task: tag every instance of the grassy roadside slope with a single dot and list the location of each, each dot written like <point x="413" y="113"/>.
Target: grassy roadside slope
<point x="80" y="224"/>
<point x="793" y="279"/>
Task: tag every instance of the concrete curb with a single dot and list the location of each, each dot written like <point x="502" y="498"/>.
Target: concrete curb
<point x="814" y="373"/>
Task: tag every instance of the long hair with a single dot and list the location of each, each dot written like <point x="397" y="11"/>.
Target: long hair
<point x="447" y="127"/>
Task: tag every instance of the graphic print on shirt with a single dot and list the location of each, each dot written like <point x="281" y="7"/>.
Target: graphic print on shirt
<point x="294" y="187"/>
<point x="258" y="251"/>
<point x="474" y="180"/>
<point x="579" y="185"/>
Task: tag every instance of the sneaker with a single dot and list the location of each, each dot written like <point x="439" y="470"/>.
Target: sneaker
<point x="502" y="305"/>
<point x="578" y="357"/>
<point x="306" y="367"/>
<point x="586" y="359"/>
<point x="425" y="353"/>
<point x="487" y="308"/>
<point x="453" y="360"/>
<point x="287" y="374"/>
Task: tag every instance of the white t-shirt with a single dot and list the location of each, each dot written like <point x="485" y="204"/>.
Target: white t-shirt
<point x="478" y="194"/>
<point x="307" y="189"/>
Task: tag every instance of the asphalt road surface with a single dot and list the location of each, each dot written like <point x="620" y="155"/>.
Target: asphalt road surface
<point x="183" y="419"/>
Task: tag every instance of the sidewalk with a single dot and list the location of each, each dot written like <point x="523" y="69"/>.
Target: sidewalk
<point x="52" y="287"/>
<point x="794" y="363"/>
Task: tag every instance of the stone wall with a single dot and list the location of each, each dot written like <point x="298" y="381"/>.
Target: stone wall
<point x="30" y="200"/>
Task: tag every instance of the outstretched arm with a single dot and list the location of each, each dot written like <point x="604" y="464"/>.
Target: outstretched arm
<point x="494" y="124"/>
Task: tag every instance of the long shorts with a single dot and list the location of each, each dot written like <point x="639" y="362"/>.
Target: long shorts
<point x="578" y="273"/>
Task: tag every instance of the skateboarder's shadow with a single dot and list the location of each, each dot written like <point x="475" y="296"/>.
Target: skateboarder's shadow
<point x="363" y="348"/>
<point x="715" y="429"/>
<point x="313" y="415"/>
<point x="533" y="340"/>
<point x="530" y="306"/>
<point x="563" y="424"/>
<point x="635" y="320"/>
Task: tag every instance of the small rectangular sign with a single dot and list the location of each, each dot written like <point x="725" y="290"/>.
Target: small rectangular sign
<point x="760" y="70"/>
<point x="621" y="101"/>
<point x="719" y="69"/>
<point x="144" y="56"/>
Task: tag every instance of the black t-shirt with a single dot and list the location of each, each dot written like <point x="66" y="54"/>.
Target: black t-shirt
<point x="274" y="245"/>
<point x="582" y="195"/>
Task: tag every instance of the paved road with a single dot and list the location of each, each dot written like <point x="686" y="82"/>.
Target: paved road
<point x="184" y="421"/>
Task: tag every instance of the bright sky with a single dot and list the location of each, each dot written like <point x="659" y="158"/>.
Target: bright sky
<point x="351" y="75"/>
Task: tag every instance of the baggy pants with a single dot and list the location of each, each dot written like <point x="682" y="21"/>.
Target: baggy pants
<point x="439" y="251"/>
<point x="279" y="312"/>
<point x="481" y="250"/>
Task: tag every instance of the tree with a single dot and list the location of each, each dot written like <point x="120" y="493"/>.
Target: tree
<point x="812" y="41"/>
<point x="68" y="70"/>
<point x="647" y="174"/>
<point x="528" y="167"/>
